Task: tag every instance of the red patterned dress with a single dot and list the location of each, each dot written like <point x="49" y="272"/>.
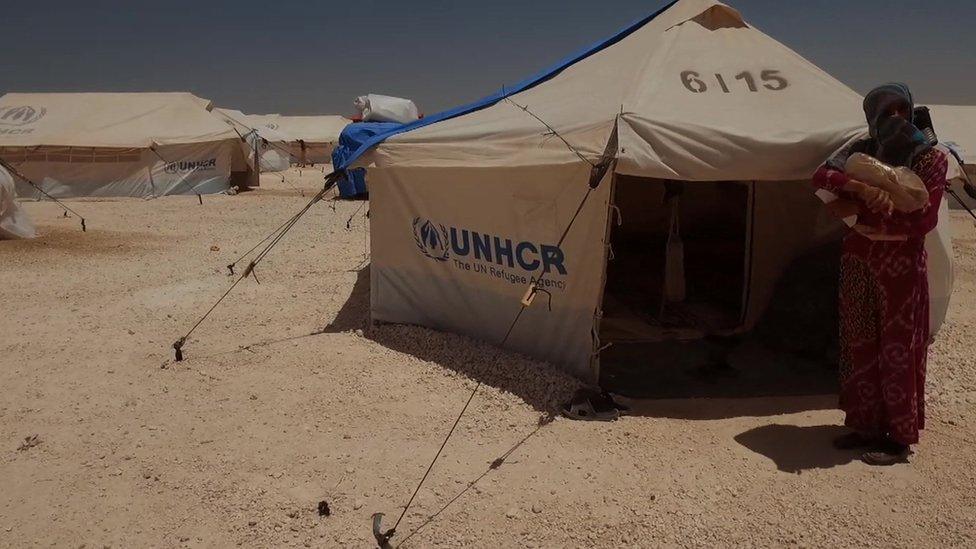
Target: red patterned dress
<point x="884" y="311"/>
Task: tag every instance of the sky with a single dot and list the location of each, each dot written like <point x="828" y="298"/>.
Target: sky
<point x="292" y="57"/>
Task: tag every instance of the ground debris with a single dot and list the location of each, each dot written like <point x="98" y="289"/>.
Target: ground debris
<point x="29" y="442"/>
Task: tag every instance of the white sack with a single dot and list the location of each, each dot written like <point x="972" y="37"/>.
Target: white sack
<point x="941" y="270"/>
<point x="14" y="223"/>
<point x="383" y="108"/>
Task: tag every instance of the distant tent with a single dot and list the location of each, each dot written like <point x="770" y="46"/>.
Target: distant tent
<point x="681" y="150"/>
<point x="271" y="145"/>
<point x="120" y="144"/>
<point x="956" y="127"/>
<point x="353" y="181"/>
<point x="320" y="134"/>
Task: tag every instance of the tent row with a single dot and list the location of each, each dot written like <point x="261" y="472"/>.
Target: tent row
<point x="543" y="218"/>
<point x="121" y="144"/>
<point x="305" y="140"/>
<point x="150" y="144"/>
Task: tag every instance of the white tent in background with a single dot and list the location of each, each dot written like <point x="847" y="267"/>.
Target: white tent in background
<point x="120" y="144"/>
<point x="956" y="127"/>
<point x="469" y="207"/>
<point x="271" y="145"/>
<point x="320" y="134"/>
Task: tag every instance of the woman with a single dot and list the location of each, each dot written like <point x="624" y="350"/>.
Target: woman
<point x="884" y="297"/>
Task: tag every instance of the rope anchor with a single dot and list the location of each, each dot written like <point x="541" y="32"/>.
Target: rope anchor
<point x="382" y="538"/>
<point x="178" y="348"/>
<point x="275" y="237"/>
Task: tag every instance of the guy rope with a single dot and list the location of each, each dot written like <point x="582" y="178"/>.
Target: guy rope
<point x="597" y="173"/>
<point x="272" y="240"/>
<point x="16" y="173"/>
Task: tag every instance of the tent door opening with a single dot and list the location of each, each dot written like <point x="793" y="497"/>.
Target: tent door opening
<point x="679" y="261"/>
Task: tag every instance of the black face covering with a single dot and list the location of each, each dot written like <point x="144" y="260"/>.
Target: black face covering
<point x="898" y="141"/>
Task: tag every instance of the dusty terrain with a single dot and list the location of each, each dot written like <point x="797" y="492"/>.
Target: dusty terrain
<point x="288" y="398"/>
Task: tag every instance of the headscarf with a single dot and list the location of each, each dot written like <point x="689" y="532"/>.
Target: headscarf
<point x="892" y="139"/>
<point x="879" y="102"/>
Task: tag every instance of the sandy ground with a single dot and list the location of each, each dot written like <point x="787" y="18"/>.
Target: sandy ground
<point x="288" y="397"/>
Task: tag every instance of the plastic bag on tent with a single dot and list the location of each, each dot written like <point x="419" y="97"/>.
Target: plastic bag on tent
<point x="383" y="108"/>
<point x="14" y="223"/>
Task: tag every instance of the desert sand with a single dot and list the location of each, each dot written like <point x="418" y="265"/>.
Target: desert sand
<point x="289" y="397"/>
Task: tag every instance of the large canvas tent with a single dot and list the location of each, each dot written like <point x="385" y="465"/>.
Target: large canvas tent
<point x="120" y="144"/>
<point x="564" y="177"/>
<point x="270" y="145"/>
<point x="956" y="128"/>
<point x="320" y="134"/>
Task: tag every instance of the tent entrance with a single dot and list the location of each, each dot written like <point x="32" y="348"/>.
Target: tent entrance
<point x="712" y="224"/>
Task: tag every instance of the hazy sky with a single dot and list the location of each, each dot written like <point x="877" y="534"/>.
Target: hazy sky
<point x="316" y="57"/>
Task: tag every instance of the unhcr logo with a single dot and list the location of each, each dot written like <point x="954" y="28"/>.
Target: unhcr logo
<point x="439" y="242"/>
<point x="185" y="166"/>
<point x="431" y="238"/>
<point x="21" y="116"/>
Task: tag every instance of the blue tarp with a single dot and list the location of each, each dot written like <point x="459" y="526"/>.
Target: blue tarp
<point x="353" y="136"/>
<point x="501" y="95"/>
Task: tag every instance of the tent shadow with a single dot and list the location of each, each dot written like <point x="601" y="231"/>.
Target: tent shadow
<point x="683" y="380"/>
<point x="762" y="384"/>
<point x="708" y="409"/>
<point x="354" y="314"/>
<point x="537" y="384"/>
<point x="796" y="449"/>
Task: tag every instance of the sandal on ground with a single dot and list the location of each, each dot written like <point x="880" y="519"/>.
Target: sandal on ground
<point x="853" y="441"/>
<point x="588" y="406"/>
<point x="887" y="453"/>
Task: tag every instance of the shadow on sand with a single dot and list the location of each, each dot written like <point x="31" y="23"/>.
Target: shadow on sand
<point x="758" y="382"/>
<point x="536" y="383"/>
<point x="795" y="449"/>
<point x="685" y="381"/>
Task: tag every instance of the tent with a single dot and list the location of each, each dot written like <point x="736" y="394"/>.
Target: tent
<point x="353" y="182"/>
<point x="653" y="187"/>
<point x="120" y="144"/>
<point x="14" y="223"/>
<point x="319" y="133"/>
<point x="271" y="145"/>
<point x="956" y="128"/>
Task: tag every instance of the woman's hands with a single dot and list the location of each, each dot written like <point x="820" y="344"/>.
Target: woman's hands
<point x="877" y="200"/>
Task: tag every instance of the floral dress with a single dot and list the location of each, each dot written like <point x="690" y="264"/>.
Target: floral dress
<point x="884" y="311"/>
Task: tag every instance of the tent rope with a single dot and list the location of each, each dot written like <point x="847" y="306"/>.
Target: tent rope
<point x="193" y="188"/>
<point x="526" y="302"/>
<point x="354" y="214"/>
<point x="257" y="156"/>
<point x="552" y="131"/>
<point x="16" y="173"/>
<point x="967" y="184"/>
<point x="279" y="234"/>
<point x="597" y="173"/>
<point x="230" y="267"/>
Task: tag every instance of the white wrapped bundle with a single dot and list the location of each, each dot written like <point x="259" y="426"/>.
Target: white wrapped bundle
<point x="908" y="192"/>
